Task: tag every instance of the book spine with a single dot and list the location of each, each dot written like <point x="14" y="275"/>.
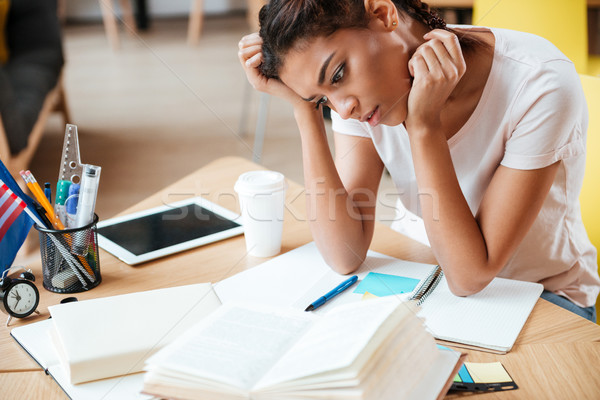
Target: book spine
<point x="428" y="286"/>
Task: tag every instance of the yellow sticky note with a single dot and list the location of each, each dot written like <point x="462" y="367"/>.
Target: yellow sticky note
<point x="488" y="372"/>
<point x="368" y="296"/>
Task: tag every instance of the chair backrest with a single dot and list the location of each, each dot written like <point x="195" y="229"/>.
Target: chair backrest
<point x="563" y="22"/>
<point x="590" y="192"/>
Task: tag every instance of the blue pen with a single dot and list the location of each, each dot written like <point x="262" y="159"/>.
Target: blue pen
<point x="48" y="192"/>
<point x="338" y="289"/>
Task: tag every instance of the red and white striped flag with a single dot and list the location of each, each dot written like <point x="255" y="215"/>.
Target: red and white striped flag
<point x="11" y="206"/>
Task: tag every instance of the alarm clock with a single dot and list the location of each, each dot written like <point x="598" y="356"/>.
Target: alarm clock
<point x="19" y="297"/>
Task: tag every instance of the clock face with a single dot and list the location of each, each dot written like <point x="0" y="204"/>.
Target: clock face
<point x="21" y="299"/>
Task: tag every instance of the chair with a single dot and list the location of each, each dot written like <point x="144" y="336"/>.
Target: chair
<point x="590" y="192"/>
<point x="562" y="22"/>
<point x="195" y="22"/>
<point x="111" y="25"/>
<point x="110" y="20"/>
<point x="55" y="101"/>
<point x="30" y="80"/>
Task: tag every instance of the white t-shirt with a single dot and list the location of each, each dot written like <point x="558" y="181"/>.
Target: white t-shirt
<point x="531" y="114"/>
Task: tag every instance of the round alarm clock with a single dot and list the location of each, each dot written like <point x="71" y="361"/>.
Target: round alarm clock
<point x="19" y="297"/>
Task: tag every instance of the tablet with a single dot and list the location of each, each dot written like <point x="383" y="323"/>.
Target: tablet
<point x="168" y="229"/>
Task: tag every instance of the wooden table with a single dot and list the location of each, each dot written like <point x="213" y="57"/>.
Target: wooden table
<point x="557" y="353"/>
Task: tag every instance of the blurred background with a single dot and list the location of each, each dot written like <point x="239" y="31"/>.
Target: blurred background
<point x="151" y="107"/>
<point x="156" y="90"/>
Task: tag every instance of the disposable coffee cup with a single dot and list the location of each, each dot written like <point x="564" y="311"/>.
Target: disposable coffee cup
<point x="262" y="198"/>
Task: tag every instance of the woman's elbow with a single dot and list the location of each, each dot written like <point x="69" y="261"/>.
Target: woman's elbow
<point x="345" y="264"/>
<point x="466" y="287"/>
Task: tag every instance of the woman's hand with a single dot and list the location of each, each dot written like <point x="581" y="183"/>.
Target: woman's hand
<point x="250" y="56"/>
<point x="436" y="66"/>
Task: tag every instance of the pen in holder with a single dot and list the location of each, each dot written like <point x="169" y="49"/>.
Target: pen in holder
<point x="70" y="261"/>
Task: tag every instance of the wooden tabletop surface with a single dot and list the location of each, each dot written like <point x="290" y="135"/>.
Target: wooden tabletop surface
<point x="556" y="353"/>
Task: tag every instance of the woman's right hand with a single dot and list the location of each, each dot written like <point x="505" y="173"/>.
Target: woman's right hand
<point x="250" y="56"/>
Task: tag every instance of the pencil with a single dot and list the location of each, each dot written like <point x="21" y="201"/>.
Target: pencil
<point x="37" y="191"/>
<point x="39" y="195"/>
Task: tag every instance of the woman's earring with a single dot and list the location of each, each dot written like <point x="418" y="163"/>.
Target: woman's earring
<point x="394" y="23"/>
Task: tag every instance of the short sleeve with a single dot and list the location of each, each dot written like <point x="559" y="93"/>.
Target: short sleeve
<point x="548" y="118"/>
<point x="350" y="127"/>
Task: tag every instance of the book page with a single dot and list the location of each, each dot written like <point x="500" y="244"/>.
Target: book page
<point x="334" y="341"/>
<point x="490" y="319"/>
<point x="437" y="376"/>
<point x="235" y="345"/>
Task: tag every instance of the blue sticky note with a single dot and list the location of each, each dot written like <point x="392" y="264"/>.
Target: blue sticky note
<point x="464" y="374"/>
<point x="386" y="285"/>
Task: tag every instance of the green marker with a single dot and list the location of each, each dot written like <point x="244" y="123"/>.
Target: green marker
<point x="62" y="192"/>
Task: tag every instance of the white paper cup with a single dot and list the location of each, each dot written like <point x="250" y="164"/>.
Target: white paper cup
<point x="262" y="198"/>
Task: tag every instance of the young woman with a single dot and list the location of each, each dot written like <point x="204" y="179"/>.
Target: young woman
<point x="482" y="130"/>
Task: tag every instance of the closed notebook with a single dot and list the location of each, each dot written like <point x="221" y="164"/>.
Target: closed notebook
<point x="113" y="336"/>
<point x="35" y="338"/>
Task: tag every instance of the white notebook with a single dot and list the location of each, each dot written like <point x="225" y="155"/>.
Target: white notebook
<point x="113" y="336"/>
<point x="35" y="339"/>
<point x="490" y="320"/>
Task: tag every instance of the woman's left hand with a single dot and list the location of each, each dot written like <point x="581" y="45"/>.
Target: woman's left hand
<point x="436" y="67"/>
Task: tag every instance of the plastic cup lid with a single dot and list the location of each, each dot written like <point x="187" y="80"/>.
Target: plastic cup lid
<point x="254" y="182"/>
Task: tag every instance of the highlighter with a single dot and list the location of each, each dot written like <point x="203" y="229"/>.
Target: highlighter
<point x="62" y="192"/>
<point x="70" y="205"/>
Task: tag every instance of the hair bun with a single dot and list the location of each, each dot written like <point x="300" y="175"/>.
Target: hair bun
<point x="435" y="22"/>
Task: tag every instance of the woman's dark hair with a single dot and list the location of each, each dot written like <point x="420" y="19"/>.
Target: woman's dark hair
<point x="284" y="23"/>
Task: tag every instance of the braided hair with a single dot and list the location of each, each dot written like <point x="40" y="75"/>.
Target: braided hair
<point x="285" y="24"/>
<point x="420" y="11"/>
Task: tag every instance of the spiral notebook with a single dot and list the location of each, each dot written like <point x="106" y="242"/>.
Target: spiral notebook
<point x="427" y="286"/>
<point x="490" y="320"/>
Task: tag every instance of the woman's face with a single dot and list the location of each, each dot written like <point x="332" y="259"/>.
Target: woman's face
<point x="360" y="73"/>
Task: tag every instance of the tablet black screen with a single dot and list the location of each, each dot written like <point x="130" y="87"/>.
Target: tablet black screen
<point x="164" y="229"/>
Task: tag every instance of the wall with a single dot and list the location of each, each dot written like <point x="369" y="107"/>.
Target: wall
<point x="90" y="9"/>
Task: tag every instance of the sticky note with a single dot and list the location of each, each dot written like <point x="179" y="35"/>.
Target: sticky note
<point x="386" y="285"/>
<point x="464" y="375"/>
<point x="368" y="296"/>
<point x="488" y="372"/>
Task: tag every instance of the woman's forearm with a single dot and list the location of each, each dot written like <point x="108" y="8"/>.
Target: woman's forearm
<point x="336" y="218"/>
<point x="453" y="231"/>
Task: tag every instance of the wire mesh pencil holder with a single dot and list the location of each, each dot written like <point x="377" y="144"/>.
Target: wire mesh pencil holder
<point x="70" y="261"/>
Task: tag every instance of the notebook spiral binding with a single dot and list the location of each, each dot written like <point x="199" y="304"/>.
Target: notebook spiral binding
<point x="428" y="286"/>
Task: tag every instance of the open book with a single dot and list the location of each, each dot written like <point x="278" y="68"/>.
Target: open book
<point x="490" y="320"/>
<point x="375" y="349"/>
